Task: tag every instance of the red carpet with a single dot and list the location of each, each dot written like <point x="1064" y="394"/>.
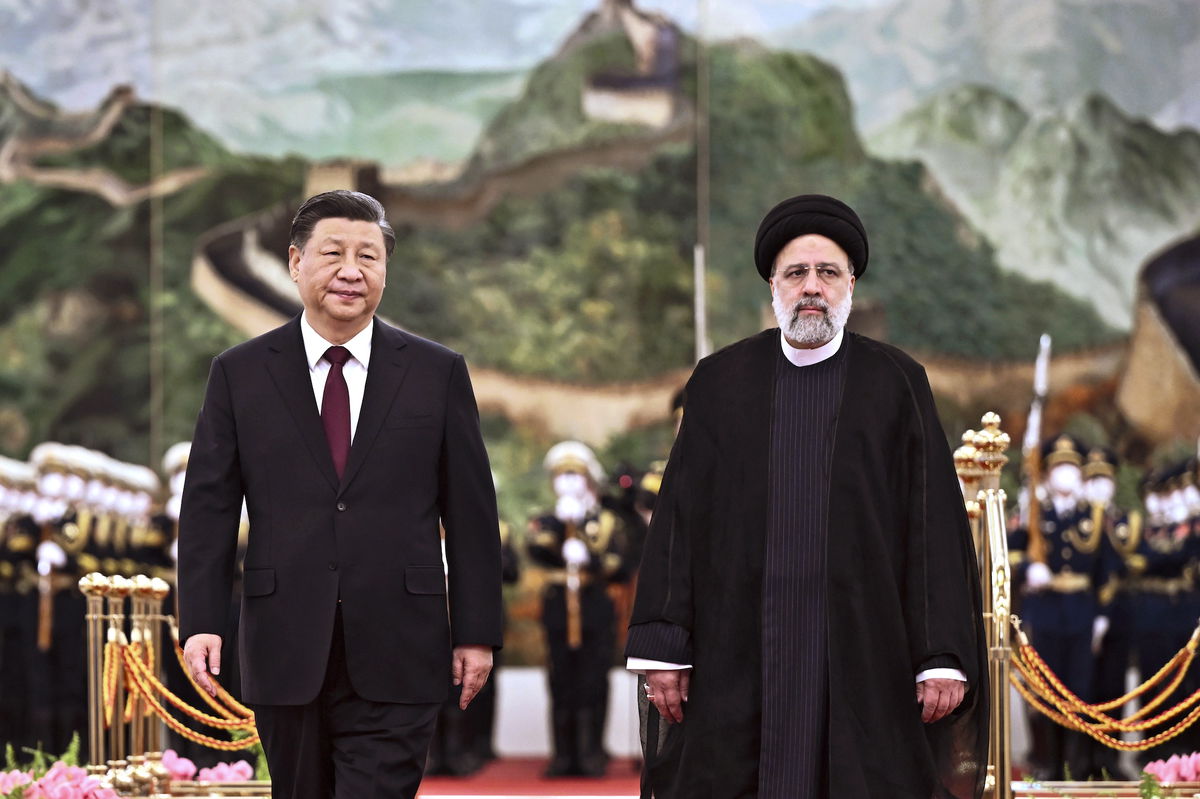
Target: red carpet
<point x="522" y="777"/>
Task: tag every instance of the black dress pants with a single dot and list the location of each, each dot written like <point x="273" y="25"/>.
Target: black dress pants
<point x="342" y="746"/>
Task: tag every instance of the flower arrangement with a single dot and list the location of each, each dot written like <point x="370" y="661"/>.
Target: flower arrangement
<point x="59" y="782"/>
<point x="1176" y="768"/>
<point x="183" y="769"/>
<point x="64" y="779"/>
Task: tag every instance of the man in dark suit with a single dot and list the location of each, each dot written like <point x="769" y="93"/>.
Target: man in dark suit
<point x="350" y="442"/>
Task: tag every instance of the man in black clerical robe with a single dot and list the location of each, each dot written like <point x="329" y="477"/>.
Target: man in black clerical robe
<point x="808" y="611"/>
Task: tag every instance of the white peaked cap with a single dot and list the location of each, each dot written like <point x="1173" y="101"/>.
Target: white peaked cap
<point x="566" y="456"/>
<point x="176" y="457"/>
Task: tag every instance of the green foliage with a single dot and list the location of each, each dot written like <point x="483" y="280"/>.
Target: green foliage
<point x="588" y="283"/>
<point x="71" y="756"/>
<point x="261" y="771"/>
<point x="1149" y="787"/>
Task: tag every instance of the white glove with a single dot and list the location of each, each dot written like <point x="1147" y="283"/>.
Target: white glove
<point x="173" y="551"/>
<point x="1099" y="628"/>
<point x="575" y="552"/>
<point x="50" y="556"/>
<point x="1038" y="575"/>
<point x="570" y="508"/>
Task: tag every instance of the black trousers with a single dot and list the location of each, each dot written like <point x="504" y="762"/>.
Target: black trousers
<point x="342" y="746"/>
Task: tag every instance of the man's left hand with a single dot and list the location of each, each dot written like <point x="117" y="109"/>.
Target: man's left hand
<point x="939" y="697"/>
<point x="471" y="667"/>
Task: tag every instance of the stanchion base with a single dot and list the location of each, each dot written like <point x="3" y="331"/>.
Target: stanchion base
<point x="251" y="789"/>
<point x="1025" y="789"/>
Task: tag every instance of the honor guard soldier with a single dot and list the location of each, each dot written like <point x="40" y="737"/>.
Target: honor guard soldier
<point x="19" y="537"/>
<point x="581" y="548"/>
<point x="1165" y="604"/>
<point x="1061" y="569"/>
<point x="59" y="680"/>
<point x="1122" y="536"/>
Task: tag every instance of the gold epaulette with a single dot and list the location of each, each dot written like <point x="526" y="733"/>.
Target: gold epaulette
<point x="1135" y="529"/>
<point x="598" y="532"/>
<point x="71" y="538"/>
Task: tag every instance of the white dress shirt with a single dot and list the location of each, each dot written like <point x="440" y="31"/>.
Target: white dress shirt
<point x="354" y="370"/>
<point x="799" y="357"/>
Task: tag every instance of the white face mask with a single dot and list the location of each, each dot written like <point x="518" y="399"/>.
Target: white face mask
<point x="1177" y="510"/>
<point x="570" y="484"/>
<point x="1100" y="490"/>
<point x="1065" y="480"/>
<point x="1191" y="497"/>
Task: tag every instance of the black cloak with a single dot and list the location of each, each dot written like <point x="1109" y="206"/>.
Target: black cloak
<point x="903" y="585"/>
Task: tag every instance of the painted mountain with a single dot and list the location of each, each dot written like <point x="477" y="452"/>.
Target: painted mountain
<point x="1143" y="54"/>
<point x="1080" y="197"/>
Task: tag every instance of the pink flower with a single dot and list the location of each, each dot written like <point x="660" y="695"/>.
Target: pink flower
<point x="227" y="772"/>
<point x="180" y="768"/>
<point x="13" y="779"/>
<point x="1167" y="771"/>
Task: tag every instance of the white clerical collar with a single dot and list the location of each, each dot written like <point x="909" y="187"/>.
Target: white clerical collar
<point x="315" y="344"/>
<point x="801" y="357"/>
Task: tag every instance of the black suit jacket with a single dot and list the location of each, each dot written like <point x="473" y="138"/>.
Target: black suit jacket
<point x="371" y="539"/>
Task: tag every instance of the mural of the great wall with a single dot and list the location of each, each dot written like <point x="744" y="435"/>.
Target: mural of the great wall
<point x="1025" y="167"/>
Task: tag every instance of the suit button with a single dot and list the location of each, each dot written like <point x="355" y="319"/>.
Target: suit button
<point x="333" y="565"/>
<point x="341" y="506"/>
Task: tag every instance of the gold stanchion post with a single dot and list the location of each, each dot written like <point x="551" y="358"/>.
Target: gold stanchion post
<point x="156" y="734"/>
<point x="119" y="589"/>
<point x="95" y="586"/>
<point x="139" y="632"/>
<point x="990" y="445"/>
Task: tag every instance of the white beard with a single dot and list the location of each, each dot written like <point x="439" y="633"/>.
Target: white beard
<point x="812" y="331"/>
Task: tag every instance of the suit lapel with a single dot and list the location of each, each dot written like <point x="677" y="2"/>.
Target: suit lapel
<point x="288" y="367"/>
<point x="389" y="365"/>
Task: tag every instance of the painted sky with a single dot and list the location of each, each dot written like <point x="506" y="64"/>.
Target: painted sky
<point x="73" y="51"/>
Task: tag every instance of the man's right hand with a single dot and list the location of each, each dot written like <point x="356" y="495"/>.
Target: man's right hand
<point x="202" y="653"/>
<point x="669" y="691"/>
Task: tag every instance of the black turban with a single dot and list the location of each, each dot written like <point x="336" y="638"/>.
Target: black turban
<point x="805" y="214"/>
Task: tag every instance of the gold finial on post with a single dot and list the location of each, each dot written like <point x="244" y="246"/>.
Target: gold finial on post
<point x="990" y="445"/>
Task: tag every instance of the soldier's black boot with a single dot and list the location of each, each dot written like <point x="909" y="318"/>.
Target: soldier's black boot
<point x="563" y="763"/>
<point x="592" y="760"/>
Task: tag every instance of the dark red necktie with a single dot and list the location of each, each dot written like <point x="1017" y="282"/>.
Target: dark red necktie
<point x="335" y="408"/>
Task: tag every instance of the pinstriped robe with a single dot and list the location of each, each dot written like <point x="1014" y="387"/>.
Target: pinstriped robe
<point x="900" y="583"/>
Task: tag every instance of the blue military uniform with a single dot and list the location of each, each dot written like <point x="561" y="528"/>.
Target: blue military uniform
<point x="1118" y="595"/>
<point x="18" y="628"/>
<point x="579" y="674"/>
<point x="1165" y="605"/>
<point x="1060" y="615"/>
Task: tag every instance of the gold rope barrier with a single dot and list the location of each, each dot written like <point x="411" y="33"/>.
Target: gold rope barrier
<point x="1042" y="687"/>
<point x="128" y="703"/>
